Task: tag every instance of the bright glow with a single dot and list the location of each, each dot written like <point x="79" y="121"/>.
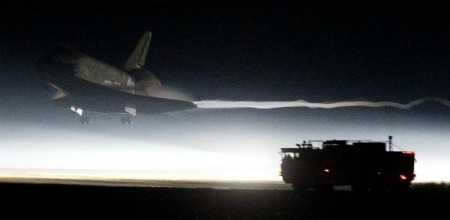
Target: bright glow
<point x="158" y="161"/>
<point x="326" y="170"/>
<point x="402" y="177"/>
<point x="202" y="146"/>
<point x="432" y="169"/>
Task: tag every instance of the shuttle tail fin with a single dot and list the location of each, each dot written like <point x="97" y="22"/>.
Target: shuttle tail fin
<point x="139" y="54"/>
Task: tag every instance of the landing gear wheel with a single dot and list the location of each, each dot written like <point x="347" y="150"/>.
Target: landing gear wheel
<point x="85" y="119"/>
<point x="127" y="120"/>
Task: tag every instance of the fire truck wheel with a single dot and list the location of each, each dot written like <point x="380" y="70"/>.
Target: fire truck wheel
<point x="400" y="188"/>
<point x="359" y="188"/>
<point x="324" y="187"/>
<point x="300" y="187"/>
<point x="378" y="188"/>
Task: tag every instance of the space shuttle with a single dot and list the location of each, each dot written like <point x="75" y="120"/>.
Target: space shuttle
<point x="84" y="84"/>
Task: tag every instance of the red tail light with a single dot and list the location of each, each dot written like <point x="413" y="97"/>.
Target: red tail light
<point x="408" y="152"/>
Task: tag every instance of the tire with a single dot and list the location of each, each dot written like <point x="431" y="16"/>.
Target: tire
<point x="400" y="187"/>
<point x="324" y="188"/>
<point x="85" y="119"/>
<point x="300" y="187"/>
<point x="359" y="188"/>
<point x="378" y="188"/>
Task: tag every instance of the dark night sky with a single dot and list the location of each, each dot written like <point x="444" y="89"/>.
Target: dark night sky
<point x="261" y="50"/>
<point x="319" y="51"/>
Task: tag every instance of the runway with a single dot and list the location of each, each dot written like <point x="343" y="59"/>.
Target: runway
<point x="101" y="201"/>
<point x="130" y="179"/>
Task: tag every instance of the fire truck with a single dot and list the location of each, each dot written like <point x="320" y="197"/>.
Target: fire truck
<point x="362" y="165"/>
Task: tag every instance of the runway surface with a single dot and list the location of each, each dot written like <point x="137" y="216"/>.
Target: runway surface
<point x="215" y="201"/>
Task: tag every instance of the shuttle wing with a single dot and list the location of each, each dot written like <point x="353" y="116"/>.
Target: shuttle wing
<point x="105" y="100"/>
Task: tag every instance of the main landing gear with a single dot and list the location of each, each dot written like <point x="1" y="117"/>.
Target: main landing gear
<point x="127" y="120"/>
<point x="130" y="111"/>
<point x="84" y="119"/>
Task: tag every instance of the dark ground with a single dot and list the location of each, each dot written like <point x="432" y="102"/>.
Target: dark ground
<point x="44" y="201"/>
